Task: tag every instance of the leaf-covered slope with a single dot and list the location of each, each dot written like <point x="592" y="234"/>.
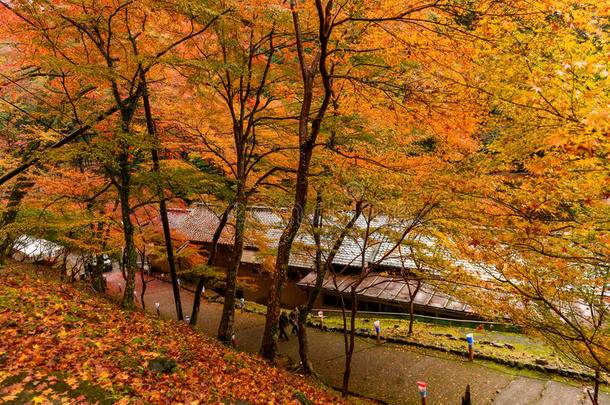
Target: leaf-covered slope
<point x="58" y="342"/>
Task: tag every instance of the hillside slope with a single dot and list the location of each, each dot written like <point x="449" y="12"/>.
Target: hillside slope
<point x="62" y="344"/>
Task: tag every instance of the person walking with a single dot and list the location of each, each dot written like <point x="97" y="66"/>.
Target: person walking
<point x="294" y="320"/>
<point x="283" y="323"/>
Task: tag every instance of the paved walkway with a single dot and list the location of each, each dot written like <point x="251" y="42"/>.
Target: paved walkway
<point x="383" y="371"/>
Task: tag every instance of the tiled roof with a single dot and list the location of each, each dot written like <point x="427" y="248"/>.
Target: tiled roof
<point x="199" y="223"/>
<point x="390" y="289"/>
<point x="265" y="226"/>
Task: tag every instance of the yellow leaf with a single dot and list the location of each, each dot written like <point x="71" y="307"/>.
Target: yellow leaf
<point x="71" y="380"/>
<point x="38" y="399"/>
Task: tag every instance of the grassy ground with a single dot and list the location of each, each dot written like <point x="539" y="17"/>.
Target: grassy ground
<point x="486" y="341"/>
<point x="502" y="345"/>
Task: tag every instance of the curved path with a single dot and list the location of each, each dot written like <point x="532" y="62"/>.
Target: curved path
<point x="382" y="371"/>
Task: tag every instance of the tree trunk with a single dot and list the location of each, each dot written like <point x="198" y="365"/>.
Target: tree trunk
<point x="97" y="278"/>
<point x="130" y="256"/>
<point x="219" y="228"/>
<point x="18" y="192"/>
<point x="321" y="270"/>
<point x="225" y="328"/>
<point x="150" y="126"/>
<point x="411" y="317"/>
<point x="411" y="305"/>
<point x="142" y="279"/>
<point x="303" y="342"/>
<point x="596" y="388"/>
<point x="269" y="343"/>
<point x="349" y="351"/>
<point x="168" y="242"/>
<point x="466" y="398"/>
<point x="307" y="141"/>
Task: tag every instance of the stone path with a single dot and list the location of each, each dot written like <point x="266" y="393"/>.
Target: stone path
<point x="382" y="371"/>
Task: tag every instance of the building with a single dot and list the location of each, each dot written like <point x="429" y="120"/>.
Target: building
<point x="384" y="289"/>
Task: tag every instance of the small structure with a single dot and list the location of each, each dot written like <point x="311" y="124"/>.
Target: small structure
<point x="33" y="250"/>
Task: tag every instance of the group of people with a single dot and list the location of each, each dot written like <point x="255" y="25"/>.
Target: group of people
<point x="287" y="320"/>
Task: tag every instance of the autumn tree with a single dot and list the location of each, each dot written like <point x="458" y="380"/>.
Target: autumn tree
<point x="102" y="66"/>
<point x="373" y="61"/>
<point x="537" y="211"/>
<point x="230" y="111"/>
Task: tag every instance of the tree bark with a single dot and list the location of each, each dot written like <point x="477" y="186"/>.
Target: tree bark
<point x="150" y="126"/>
<point x="349" y="350"/>
<point x="303" y="341"/>
<point x="411" y="306"/>
<point x="307" y="140"/>
<point x="269" y="344"/>
<point x="321" y="271"/>
<point x="130" y="256"/>
<point x="411" y="318"/>
<point x="219" y="228"/>
<point x="18" y="192"/>
<point x="466" y="398"/>
<point x="596" y="388"/>
<point x="225" y="328"/>
<point x="97" y="278"/>
<point x="142" y="279"/>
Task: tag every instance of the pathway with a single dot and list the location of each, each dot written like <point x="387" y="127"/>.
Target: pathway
<point x="383" y="371"/>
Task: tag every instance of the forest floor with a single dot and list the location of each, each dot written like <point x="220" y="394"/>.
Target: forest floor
<point x="384" y="371"/>
<point x="65" y="344"/>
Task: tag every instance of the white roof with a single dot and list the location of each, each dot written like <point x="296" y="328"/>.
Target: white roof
<point x="38" y="249"/>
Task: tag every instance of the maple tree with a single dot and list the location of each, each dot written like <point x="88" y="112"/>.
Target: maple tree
<point x="90" y="70"/>
<point x="356" y="64"/>
<point x="537" y="210"/>
<point x="233" y="72"/>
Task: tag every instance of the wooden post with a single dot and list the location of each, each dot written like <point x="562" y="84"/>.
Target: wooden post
<point x="470" y="340"/>
<point x="422" y="390"/>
